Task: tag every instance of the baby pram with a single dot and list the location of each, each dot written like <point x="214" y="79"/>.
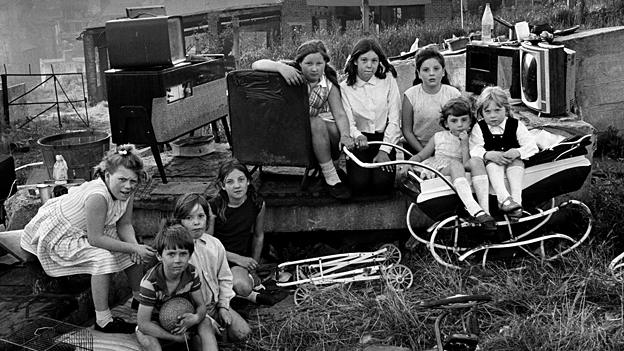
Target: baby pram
<point x="544" y="231"/>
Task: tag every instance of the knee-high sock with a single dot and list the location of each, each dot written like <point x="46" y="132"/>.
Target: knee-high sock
<point x="329" y="173"/>
<point x="496" y="174"/>
<point x="515" y="175"/>
<point x="465" y="194"/>
<point x="481" y="186"/>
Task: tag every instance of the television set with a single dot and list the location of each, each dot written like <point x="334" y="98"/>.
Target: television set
<point x="547" y="78"/>
<point x="145" y="11"/>
<point x="492" y="65"/>
<point x="145" y="42"/>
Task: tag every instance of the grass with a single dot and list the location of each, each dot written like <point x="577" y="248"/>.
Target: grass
<point x="571" y="304"/>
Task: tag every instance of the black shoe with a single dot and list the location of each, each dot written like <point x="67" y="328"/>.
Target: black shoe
<point x="339" y="191"/>
<point x="486" y="221"/>
<point x="135" y="304"/>
<point x="117" y="326"/>
<point x="265" y="299"/>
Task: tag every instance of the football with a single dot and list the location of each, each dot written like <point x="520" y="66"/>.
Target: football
<point x="171" y="310"/>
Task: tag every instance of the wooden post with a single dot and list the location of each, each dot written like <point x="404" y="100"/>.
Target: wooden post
<point x="5" y="122"/>
<point x="365" y="17"/>
<point x="236" y="40"/>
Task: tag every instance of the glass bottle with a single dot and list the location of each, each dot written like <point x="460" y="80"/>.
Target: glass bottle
<point x="487" y="24"/>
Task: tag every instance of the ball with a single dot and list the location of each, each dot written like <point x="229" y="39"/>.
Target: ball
<point x="172" y="309"/>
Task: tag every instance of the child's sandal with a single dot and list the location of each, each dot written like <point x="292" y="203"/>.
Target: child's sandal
<point x="485" y="220"/>
<point x="515" y="215"/>
<point x="509" y="205"/>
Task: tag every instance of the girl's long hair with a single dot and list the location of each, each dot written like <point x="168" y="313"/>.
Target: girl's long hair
<point x="221" y="200"/>
<point x="430" y="52"/>
<point x="316" y="46"/>
<point x="361" y="47"/>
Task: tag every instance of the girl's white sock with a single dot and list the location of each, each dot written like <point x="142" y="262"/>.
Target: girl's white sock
<point x="465" y="194"/>
<point x="329" y="173"/>
<point x="102" y="318"/>
<point x="481" y="186"/>
<point x="515" y="176"/>
<point x="496" y="175"/>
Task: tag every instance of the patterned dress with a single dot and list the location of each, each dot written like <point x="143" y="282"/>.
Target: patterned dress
<point x="57" y="235"/>
<point x="447" y="148"/>
<point x="318" y="97"/>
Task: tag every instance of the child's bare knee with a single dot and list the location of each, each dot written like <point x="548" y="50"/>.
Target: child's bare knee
<point x="239" y="332"/>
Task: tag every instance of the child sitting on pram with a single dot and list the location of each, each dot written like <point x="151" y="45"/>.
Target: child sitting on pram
<point x="448" y="152"/>
<point x="502" y="142"/>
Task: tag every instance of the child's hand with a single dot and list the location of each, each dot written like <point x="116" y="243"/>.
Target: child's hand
<point x="381" y="157"/>
<point x="361" y="142"/>
<point x="347" y="141"/>
<point x="143" y="253"/>
<point x="512" y="154"/>
<point x="427" y="174"/>
<point x="291" y="75"/>
<point x="499" y="158"/>
<point x="463" y="137"/>
<point x="186" y="321"/>
<point x="249" y="263"/>
<point x="225" y="317"/>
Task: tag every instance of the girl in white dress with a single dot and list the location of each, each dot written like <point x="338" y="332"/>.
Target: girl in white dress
<point x="89" y="231"/>
<point x="423" y="102"/>
<point x="448" y="152"/>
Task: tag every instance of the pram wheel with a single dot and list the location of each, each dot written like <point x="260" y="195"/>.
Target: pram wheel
<point x="399" y="277"/>
<point x="392" y="255"/>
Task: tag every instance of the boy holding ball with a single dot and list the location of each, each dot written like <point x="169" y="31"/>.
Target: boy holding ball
<point x="172" y="277"/>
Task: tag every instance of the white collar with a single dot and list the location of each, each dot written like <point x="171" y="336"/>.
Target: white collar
<point x="501" y="125"/>
<point x="360" y="83"/>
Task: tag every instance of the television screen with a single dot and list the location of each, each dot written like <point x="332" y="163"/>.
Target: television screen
<point x="529" y="77"/>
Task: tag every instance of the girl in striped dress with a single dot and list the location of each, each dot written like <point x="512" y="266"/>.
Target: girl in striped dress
<point x="89" y="231"/>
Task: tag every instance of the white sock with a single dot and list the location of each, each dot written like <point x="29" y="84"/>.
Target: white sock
<point x="465" y="194"/>
<point x="481" y="186"/>
<point x="329" y="173"/>
<point x="515" y="175"/>
<point x="102" y="318"/>
<point x="496" y="174"/>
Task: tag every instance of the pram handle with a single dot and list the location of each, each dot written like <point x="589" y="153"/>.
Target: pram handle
<point x="395" y="163"/>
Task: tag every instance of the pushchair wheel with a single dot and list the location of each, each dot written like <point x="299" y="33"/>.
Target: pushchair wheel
<point x="303" y="294"/>
<point x="392" y="254"/>
<point x="399" y="277"/>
